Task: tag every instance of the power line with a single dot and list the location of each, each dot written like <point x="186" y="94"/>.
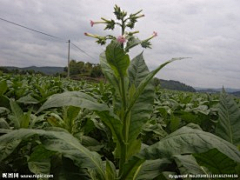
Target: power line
<point x="32" y="29"/>
<point x="82" y="51"/>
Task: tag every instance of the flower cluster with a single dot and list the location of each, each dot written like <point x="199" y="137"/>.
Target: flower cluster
<point x="126" y="39"/>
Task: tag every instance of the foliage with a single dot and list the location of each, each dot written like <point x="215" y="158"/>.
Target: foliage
<point x="228" y="122"/>
<point x="83" y="69"/>
<point x="95" y="136"/>
<point x="26" y="70"/>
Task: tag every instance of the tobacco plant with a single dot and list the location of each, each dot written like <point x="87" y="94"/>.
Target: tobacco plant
<point x="183" y="151"/>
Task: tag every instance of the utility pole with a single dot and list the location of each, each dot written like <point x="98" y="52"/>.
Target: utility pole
<point x="68" y="75"/>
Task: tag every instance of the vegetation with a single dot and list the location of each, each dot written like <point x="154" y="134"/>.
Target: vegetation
<point x="80" y="69"/>
<point x="173" y="85"/>
<point x="38" y="136"/>
<point x="126" y="129"/>
<point x="237" y="93"/>
<point x="32" y="70"/>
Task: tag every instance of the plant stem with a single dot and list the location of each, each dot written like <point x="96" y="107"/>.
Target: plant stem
<point x="123" y="29"/>
<point x="123" y="144"/>
<point x="123" y="156"/>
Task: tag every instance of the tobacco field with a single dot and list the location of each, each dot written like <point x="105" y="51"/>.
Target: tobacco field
<point x="62" y="127"/>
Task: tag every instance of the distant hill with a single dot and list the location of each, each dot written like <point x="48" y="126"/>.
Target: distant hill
<point x="173" y="85"/>
<point x="46" y="69"/>
<point x="217" y="90"/>
<point x="165" y="84"/>
<point x="237" y="93"/>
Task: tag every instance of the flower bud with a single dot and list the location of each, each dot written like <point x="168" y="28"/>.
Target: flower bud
<point x="121" y="39"/>
<point x="91" y="35"/>
<point x="92" y="23"/>
<point x="142" y="15"/>
<point x="154" y="33"/>
<point x="96" y="22"/>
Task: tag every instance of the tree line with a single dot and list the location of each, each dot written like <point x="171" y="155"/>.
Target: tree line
<point x="82" y="69"/>
<point x="78" y="70"/>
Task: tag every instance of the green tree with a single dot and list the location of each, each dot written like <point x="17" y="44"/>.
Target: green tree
<point x="96" y="71"/>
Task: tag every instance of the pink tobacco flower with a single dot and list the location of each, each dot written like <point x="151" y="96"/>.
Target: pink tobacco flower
<point x="154" y="34"/>
<point x="92" y="23"/>
<point x="97" y="22"/>
<point x="146" y="43"/>
<point x="121" y="39"/>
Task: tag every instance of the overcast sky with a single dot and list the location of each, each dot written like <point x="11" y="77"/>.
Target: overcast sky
<point x="207" y="31"/>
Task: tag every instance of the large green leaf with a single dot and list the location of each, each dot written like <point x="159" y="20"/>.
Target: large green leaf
<point x="186" y="141"/>
<point x="141" y="97"/>
<point x="91" y="143"/>
<point x="40" y="167"/>
<point x="117" y="59"/>
<point x="152" y="168"/>
<point x="64" y="169"/>
<point x="141" y="87"/>
<point x="137" y="70"/>
<point x="142" y="108"/>
<point x="187" y="164"/>
<point x="6" y="148"/>
<point x="131" y="168"/>
<point x="216" y="162"/>
<point x="4" y="124"/>
<point x="111" y="172"/>
<point x="39" y="161"/>
<point x="228" y="126"/>
<point x="28" y="99"/>
<point x="115" y="126"/>
<point x="17" y="112"/>
<point x="19" y="118"/>
<point x="108" y="72"/>
<point x="73" y="98"/>
<point x="3" y="87"/>
<point x="4" y="101"/>
<point x="61" y="142"/>
<point x="113" y="80"/>
<point x="40" y="153"/>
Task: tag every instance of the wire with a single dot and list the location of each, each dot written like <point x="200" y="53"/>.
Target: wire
<point x="47" y="35"/>
<point x="32" y="29"/>
<point x="82" y="51"/>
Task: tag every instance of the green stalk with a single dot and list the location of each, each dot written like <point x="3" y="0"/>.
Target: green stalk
<point x="123" y="29"/>
<point x="123" y="94"/>
<point x="123" y="156"/>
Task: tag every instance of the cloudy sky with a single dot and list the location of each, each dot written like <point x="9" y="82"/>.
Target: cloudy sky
<point x="207" y="31"/>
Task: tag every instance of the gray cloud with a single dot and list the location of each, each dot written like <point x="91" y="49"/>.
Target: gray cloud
<point x="207" y="31"/>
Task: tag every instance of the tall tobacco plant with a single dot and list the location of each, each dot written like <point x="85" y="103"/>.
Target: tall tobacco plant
<point x="133" y="98"/>
<point x="132" y="83"/>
